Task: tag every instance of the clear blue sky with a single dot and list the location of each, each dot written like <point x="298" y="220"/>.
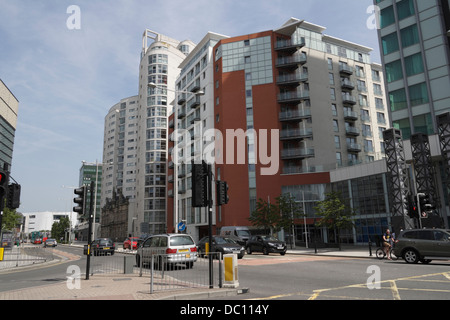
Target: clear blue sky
<point x="67" y="80"/>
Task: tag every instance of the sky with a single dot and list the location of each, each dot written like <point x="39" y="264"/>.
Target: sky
<point x="68" y="68"/>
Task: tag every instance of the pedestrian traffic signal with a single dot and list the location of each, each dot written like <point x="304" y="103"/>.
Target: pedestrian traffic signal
<point x="80" y="200"/>
<point x="200" y="184"/>
<point x="13" y="198"/>
<point x="222" y="193"/>
<point x="424" y="202"/>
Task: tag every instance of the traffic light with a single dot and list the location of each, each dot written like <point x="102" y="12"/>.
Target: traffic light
<point x="413" y="210"/>
<point x="222" y="193"/>
<point x="80" y="200"/>
<point x="4" y="179"/>
<point x="200" y="184"/>
<point x="13" y="198"/>
<point x="424" y="203"/>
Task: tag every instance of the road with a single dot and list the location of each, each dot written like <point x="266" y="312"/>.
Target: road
<point x="330" y="278"/>
<point x="289" y="277"/>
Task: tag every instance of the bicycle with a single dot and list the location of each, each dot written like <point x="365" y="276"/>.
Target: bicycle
<point x="381" y="254"/>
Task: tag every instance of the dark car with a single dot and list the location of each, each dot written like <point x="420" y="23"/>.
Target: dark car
<point x="423" y="245"/>
<point x="266" y="244"/>
<point x="103" y="246"/>
<point x="225" y="245"/>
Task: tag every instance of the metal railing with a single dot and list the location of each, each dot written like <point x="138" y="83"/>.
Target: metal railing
<point x="25" y="255"/>
<point x="177" y="272"/>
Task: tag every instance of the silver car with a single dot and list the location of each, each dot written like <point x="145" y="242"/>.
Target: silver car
<point x="168" y="250"/>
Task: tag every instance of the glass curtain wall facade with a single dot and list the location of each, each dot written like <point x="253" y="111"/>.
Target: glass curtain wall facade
<point x="415" y="53"/>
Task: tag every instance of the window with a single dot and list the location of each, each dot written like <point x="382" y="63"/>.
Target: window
<point x="247" y="59"/>
<point x="418" y="94"/>
<point x="332" y="94"/>
<point x="404" y="126"/>
<point x="334" y="109"/>
<point x="423" y="124"/>
<point x="397" y="99"/>
<point x="409" y="36"/>
<point x="390" y="43"/>
<point x="330" y="64"/>
<point x="331" y="77"/>
<point x="405" y="9"/>
<point x="337" y="142"/>
<point x="414" y="64"/>
<point x="387" y="17"/>
<point x="335" y="126"/>
<point x="394" y="71"/>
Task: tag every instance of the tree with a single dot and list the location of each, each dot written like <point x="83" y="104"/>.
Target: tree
<point x="59" y="228"/>
<point x="275" y="217"/>
<point x="334" y="213"/>
<point x="10" y="219"/>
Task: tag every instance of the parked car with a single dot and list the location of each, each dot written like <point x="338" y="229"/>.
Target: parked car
<point x="266" y="244"/>
<point x="131" y="242"/>
<point x="225" y="245"/>
<point x="168" y="250"/>
<point x="423" y="245"/>
<point x="103" y="246"/>
<point x="50" y="243"/>
<point x="239" y="234"/>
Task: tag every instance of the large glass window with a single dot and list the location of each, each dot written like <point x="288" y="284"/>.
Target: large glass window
<point x="414" y="64"/>
<point x="405" y="8"/>
<point x="404" y="126"/>
<point x="390" y="43"/>
<point x="397" y="99"/>
<point x="409" y="36"/>
<point x="387" y="17"/>
<point x="423" y="124"/>
<point x="418" y="94"/>
<point x="394" y="71"/>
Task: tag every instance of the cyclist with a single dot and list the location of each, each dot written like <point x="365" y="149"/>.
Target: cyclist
<point x="388" y="240"/>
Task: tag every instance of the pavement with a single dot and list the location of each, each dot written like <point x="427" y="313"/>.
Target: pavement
<point x="136" y="287"/>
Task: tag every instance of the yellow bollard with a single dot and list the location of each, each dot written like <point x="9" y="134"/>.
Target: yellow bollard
<point x="2" y="251"/>
<point x="206" y="248"/>
<point x="231" y="271"/>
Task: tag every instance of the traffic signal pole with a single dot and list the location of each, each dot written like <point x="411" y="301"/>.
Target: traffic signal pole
<point x="210" y="204"/>
<point x="91" y="206"/>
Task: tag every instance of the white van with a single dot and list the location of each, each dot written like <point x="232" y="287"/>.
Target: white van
<point x="240" y="234"/>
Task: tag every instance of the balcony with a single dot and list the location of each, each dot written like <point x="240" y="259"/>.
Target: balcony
<point x="348" y="99"/>
<point x="347" y="84"/>
<point x="170" y="179"/>
<point x="293" y="97"/>
<point x="181" y="113"/>
<point x="194" y="87"/>
<point x="354" y="147"/>
<point x="291" y="62"/>
<point x="295" y="134"/>
<point x="289" y="45"/>
<point x="352" y="131"/>
<point x="350" y="115"/>
<point x="293" y="79"/>
<point x="345" y="70"/>
<point x="194" y="102"/>
<point x="297" y="153"/>
<point x="295" y="115"/>
<point x="181" y="98"/>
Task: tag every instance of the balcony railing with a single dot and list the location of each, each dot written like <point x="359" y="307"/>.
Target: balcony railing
<point x="295" y="133"/>
<point x="296" y="114"/>
<point x="293" y="96"/>
<point x="297" y="153"/>
<point x="294" y="78"/>
<point x="291" y="61"/>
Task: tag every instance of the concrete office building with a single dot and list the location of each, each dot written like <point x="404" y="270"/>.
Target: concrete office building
<point x="415" y="52"/>
<point x="317" y="100"/>
<point x="9" y="107"/>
